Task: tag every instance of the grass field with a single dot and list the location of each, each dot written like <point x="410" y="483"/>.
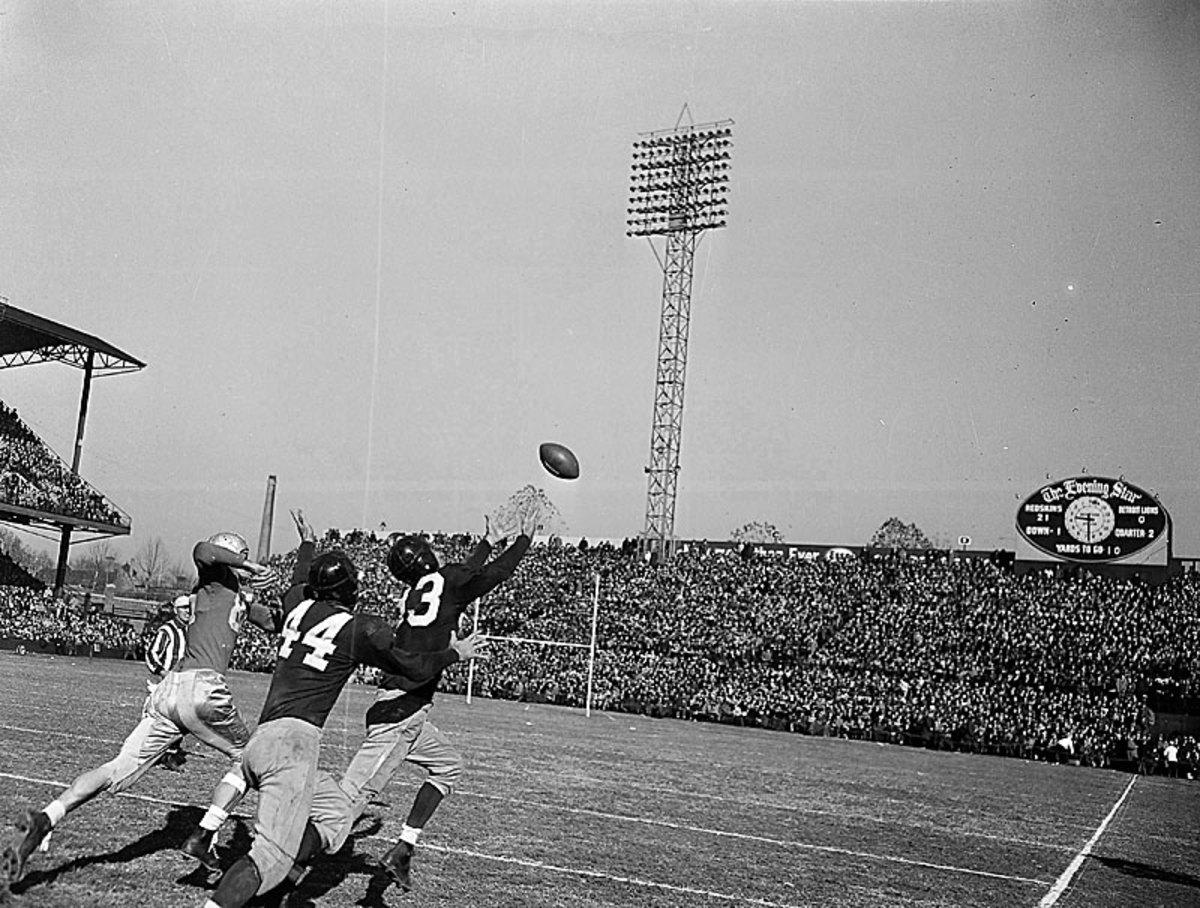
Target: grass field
<point x="559" y="809"/>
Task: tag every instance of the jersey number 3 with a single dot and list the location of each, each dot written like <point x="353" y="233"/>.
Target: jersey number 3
<point x="425" y="612"/>
<point x="320" y="638"/>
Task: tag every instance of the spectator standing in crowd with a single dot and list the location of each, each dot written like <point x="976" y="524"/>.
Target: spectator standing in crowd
<point x="194" y="698"/>
<point x="1171" y="759"/>
<point x="323" y="641"/>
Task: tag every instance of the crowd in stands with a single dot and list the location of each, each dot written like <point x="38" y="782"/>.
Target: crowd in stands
<point x="32" y="618"/>
<point x="933" y="651"/>
<point x="34" y="477"/>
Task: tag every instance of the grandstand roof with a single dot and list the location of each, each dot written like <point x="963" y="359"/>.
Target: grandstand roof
<point x="27" y="338"/>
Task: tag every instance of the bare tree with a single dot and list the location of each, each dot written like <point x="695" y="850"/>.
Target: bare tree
<point x="894" y="533"/>
<point x="550" y="520"/>
<point x="757" y="531"/>
<point x="179" y="575"/>
<point x="151" y="565"/>
<point x="98" y="564"/>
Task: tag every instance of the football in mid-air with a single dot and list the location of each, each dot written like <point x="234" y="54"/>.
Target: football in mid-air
<point x="558" y="460"/>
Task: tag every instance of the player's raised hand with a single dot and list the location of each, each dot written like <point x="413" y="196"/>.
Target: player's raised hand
<point x="503" y="523"/>
<point x="474" y="646"/>
<point x="493" y="535"/>
<point x="307" y="533"/>
<point x="530" y="517"/>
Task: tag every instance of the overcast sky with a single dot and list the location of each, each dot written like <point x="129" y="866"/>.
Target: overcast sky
<point x="378" y="251"/>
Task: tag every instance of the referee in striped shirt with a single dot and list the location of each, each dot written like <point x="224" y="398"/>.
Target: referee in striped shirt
<point x="163" y="656"/>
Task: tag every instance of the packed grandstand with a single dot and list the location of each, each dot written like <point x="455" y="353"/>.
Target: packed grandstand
<point x="33" y="477"/>
<point x="930" y="650"/>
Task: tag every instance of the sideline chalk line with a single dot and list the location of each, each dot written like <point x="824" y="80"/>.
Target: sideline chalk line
<point x="1061" y="884"/>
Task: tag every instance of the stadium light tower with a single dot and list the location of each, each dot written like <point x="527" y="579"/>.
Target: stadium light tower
<point x="678" y="189"/>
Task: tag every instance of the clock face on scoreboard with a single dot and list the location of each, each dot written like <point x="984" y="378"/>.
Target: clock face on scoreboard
<point x="1091" y="518"/>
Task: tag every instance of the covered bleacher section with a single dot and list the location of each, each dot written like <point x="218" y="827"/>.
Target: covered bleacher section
<point x="39" y="490"/>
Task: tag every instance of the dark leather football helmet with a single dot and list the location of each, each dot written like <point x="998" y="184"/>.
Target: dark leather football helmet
<point x="334" y="576"/>
<point x="411" y="558"/>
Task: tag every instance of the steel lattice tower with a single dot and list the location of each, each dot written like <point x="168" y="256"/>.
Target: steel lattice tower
<point x="678" y="190"/>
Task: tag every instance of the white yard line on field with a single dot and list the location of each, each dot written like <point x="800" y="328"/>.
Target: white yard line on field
<point x="820" y="812"/>
<point x="499" y="858"/>
<point x="804" y="846"/>
<point x="611" y="877"/>
<point x="745" y="802"/>
<point x="783" y="843"/>
<point x="1061" y="884"/>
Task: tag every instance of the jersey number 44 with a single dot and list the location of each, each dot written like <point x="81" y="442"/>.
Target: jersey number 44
<point x="320" y="639"/>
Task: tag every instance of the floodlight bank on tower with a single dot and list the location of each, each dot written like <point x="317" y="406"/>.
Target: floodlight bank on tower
<point x="678" y="189"/>
<point x="680" y="180"/>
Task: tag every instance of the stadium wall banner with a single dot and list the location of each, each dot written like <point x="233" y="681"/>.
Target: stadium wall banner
<point x="1092" y="519"/>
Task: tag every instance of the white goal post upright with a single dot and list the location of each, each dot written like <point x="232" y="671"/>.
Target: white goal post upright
<point x="590" y="646"/>
<point x="587" y="708"/>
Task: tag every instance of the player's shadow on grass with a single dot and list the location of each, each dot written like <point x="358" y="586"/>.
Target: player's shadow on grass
<point x="180" y="821"/>
<point x="1148" y="872"/>
<point x="331" y="871"/>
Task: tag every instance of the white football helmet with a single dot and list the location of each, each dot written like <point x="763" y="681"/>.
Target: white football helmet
<point x="232" y="542"/>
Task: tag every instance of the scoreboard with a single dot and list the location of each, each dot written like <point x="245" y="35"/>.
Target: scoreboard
<point x="1092" y="519"/>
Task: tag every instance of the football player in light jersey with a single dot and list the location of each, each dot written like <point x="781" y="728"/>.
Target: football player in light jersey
<point x="323" y="642"/>
<point x="398" y="726"/>
<point x="200" y="844"/>
<point x="193" y="698"/>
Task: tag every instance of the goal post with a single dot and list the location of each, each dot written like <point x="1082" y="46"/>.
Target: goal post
<point x="590" y="646"/>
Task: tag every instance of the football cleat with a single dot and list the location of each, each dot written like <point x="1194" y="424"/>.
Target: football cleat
<point x="397" y="862"/>
<point x="173" y="760"/>
<point x="199" y="846"/>
<point x="33" y="830"/>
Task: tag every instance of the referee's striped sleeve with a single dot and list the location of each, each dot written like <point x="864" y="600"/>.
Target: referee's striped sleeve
<point x="166" y="650"/>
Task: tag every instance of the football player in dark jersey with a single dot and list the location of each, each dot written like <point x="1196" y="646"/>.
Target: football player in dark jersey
<point x="398" y="729"/>
<point x="192" y="698"/>
<point x="323" y="642"/>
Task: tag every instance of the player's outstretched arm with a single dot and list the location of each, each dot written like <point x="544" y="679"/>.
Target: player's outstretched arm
<point x="498" y="569"/>
<point x="270" y="613"/>
<point x="489" y="533"/>
<point x="307" y="533"/>
<point x="305" y="552"/>
<point x="529" y="519"/>
<point x="376" y="644"/>
<point x="479" y="555"/>
<point x="474" y="646"/>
